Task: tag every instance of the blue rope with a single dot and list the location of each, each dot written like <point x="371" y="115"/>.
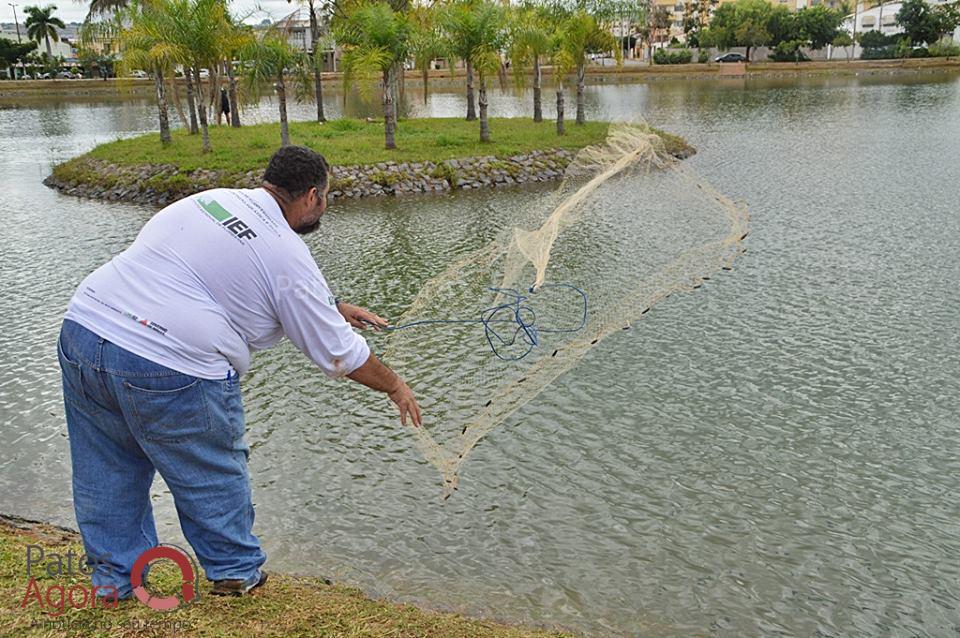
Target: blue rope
<point x="514" y="311"/>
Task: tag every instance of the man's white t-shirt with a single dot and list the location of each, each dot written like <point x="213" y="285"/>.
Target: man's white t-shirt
<point x="211" y="278"/>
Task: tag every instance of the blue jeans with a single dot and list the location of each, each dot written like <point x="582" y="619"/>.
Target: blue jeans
<point x="128" y="417"/>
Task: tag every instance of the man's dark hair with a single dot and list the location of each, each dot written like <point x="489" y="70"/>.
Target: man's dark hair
<point x="297" y="169"/>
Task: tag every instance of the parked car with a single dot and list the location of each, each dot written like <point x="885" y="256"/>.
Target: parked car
<point x="65" y="75"/>
<point x="204" y="74"/>
<point x="731" y="57"/>
<point x="140" y="75"/>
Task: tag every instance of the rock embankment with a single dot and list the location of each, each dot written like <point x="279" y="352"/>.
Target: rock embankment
<point x="161" y="184"/>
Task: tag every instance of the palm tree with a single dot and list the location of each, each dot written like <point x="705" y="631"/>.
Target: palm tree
<point x="458" y="21"/>
<point x="42" y="25"/>
<point x="488" y="28"/>
<point x="264" y="60"/>
<point x="376" y="40"/>
<point x="104" y="7"/>
<point x="529" y="36"/>
<point x="199" y="32"/>
<point x="562" y="61"/>
<point x="317" y="56"/>
<point x="427" y="43"/>
<point x="145" y="45"/>
<point x="579" y="35"/>
<point x="235" y="39"/>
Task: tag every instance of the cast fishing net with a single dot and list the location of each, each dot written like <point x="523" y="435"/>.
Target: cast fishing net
<point x="628" y="227"/>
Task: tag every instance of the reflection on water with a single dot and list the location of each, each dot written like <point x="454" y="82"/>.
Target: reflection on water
<point x="774" y="454"/>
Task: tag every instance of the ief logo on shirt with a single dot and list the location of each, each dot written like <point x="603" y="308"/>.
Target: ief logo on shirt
<point x="228" y="221"/>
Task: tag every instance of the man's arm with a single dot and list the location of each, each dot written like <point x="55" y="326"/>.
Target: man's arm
<point x="306" y="310"/>
<point x="377" y="376"/>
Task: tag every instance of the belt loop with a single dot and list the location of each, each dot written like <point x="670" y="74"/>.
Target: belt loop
<point x="97" y="357"/>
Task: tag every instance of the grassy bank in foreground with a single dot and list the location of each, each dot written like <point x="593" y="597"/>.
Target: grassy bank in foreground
<point x="284" y="606"/>
<point x="349" y="141"/>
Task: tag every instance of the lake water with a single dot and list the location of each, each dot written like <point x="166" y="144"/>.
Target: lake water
<point x="776" y="454"/>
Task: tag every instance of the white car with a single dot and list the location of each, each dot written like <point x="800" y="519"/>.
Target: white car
<point x="204" y="74"/>
<point x="140" y="75"/>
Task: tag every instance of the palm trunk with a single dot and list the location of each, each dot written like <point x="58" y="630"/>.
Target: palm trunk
<point x="49" y="52"/>
<point x="202" y="111"/>
<point x="484" y="123"/>
<point x="560" y="129"/>
<point x="215" y="97"/>
<point x="471" y="108"/>
<point x="213" y="103"/>
<point x="426" y="80"/>
<point x="282" y="99"/>
<point x="234" y="107"/>
<point x="175" y="87"/>
<point x="396" y="72"/>
<point x="317" y="61"/>
<point x="389" y="112"/>
<point x="581" y="117"/>
<point x="162" y="108"/>
<point x="191" y="102"/>
<point x="537" y="98"/>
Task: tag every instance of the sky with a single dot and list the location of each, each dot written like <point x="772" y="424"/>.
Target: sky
<point x="71" y="11"/>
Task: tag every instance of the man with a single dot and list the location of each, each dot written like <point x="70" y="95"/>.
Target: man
<point x="151" y="350"/>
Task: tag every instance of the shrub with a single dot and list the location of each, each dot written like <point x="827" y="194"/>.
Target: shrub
<point x="384" y="178"/>
<point x="876" y="40"/>
<point x="878" y="53"/>
<point x="905" y="49"/>
<point x="789" y="52"/>
<point x="444" y="171"/>
<point x="944" y="49"/>
<point x="342" y="183"/>
<point x="675" y="56"/>
<point x="703" y="56"/>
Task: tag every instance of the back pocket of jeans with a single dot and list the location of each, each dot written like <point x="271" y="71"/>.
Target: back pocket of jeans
<point x="169" y="411"/>
<point x="72" y="375"/>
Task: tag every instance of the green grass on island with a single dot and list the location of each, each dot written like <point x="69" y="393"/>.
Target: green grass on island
<point x="350" y="141"/>
<point x="284" y="606"/>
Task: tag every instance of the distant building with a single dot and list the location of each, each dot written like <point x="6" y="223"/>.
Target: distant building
<point x="297" y="28"/>
<point x="65" y="47"/>
<point x="882" y="18"/>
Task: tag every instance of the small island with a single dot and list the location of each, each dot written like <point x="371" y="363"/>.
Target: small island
<point x="432" y="155"/>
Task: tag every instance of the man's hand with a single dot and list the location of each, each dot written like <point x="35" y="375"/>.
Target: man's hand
<point x="377" y="376"/>
<point x="361" y="318"/>
<point x="402" y="396"/>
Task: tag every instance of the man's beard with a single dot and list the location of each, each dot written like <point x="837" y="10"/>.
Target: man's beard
<point x="306" y="230"/>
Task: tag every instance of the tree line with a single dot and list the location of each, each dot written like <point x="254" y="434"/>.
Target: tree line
<point x="378" y="39"/>
<point x="755" y="23"/>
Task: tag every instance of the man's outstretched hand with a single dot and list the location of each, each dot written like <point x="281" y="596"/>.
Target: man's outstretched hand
<point x="403" y="397"/>
<point x="361" y="318"/>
